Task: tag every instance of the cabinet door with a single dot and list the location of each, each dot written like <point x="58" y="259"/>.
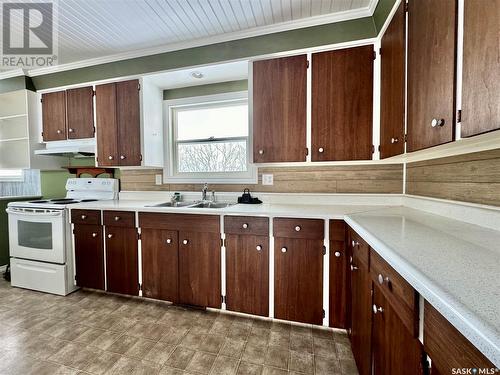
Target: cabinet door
<point x="431" y="72"/>
<point x="54" y="116"/>
<point x="298" y="279"/>
<point x="107" y="125"/>
<point x="392" y="89"/>
<point x="129" y="126"/>
<point x="122" y="270"/>
<point x="342" y="104"/>
<point x="338" y="284"/>
<point x="395" y="350"/>
<point x="279" y="109"/>
<point x="199" y="269"/>
<point x="361" y="314"/>
<point x="89" y="256"/>
<point x="160" y="264"/>
<point x="481" y="67"/>
<point x="80" y="110"/>
<point x="247" y="274"/>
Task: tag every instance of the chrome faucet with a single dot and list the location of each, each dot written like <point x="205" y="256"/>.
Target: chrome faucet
<point x="204" y="192"/>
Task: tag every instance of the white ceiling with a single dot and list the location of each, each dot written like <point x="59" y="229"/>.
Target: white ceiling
<point x="94" y="29"/>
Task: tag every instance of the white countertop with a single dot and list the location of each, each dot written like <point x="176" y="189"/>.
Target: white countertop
<point x="453" y="265"/>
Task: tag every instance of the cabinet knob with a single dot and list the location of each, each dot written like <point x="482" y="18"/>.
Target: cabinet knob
<point x="394" y="140"/>
<point x="380" y="279"/>
<point x="122" y="157"/>
<point x="117" y="218"/>
<point x="377" y="309"/>
<point x="297" y="228"/>
<point x="185" y="242"/>
<point x="337" y="254"/>
<point x="355" y="243"/>
<point x="437" y="122"/>
<point x="284" y="249"/>
<point x="258" y="247"/>
<point x="83" y="217"/>
<point x="321" y="150"/>
<point x="245" y="225"/>
<point x="71" y="130"/>
<point x="261" y="152"/>
<point x="169" y="240"/>
<point x="353" y="268"/>
<point x="58" y="131"/>
<point x="94" y="235"/>
<point x="110" y="157"/>
<point x="110" y="235"/>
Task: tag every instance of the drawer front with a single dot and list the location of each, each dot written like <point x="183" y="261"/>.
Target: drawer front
<point x="119" y="219"/>
<point x="183" y="222"/>
<point x="258" y="226"/>
<point x="313" y="229"/>
<point x="86" y="217"/>
<point x="337" y="230"/>
<point x="359" y="249"/>
<point x="397" y="291"/>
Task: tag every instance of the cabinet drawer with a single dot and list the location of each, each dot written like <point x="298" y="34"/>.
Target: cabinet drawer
<point x="299" y="228"/>
<point x="119" y="219"/>
<point x="359" y="248"/>
<point x="337" y="230"/>
<point x="258" y="226"/>
<point x="186" y="222"/>
<point x="397" y="291"/>
<point x="86" y="217"/>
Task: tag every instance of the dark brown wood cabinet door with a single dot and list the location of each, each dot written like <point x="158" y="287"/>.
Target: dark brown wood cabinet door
<point x="80" y="112"/>
<point x="199" y="269"/>
<point x="395" y="350"/>
<point x="54" y="116"/>
<point x="361" y="317"/>
<point x="431" y="72"/>
<point x="247" y="274"/>
<point x="392" y="86"/>
<point x="279" y="109"/>
<point x="338" y="284"/>
<point x="89" y="256"/>
<point x="160" y="264"/>
<point x="298" y="280"/>
<point x="122" y="269"/>
<point x="342" y="104"/>
<point x="106" y="125"/>
<point x="129" y="124"/>
<point x="481" y="67"/>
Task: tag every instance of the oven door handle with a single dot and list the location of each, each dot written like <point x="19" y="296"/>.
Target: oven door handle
<point x="14" y="211"/>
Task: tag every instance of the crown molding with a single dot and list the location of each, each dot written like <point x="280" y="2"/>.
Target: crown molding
<point x="12" y="73"/>
<point x="253" y="32"/>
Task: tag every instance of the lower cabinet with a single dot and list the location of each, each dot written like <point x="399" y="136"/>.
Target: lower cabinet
<point x="338" y="275"/>
<point x="298" y="270"/>
<point x="89" y="256"/>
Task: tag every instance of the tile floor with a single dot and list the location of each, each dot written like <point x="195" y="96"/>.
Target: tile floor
<point x="95" y="333"/>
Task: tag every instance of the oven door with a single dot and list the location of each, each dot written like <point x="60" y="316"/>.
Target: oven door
<point x="37" y="234"/>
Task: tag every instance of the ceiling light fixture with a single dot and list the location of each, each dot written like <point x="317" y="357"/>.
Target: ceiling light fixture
<point x="197" y="75"/>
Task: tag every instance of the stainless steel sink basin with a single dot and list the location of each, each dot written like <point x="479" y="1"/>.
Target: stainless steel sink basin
<point x="212" y="205"/>
<point x="172" y="204"/>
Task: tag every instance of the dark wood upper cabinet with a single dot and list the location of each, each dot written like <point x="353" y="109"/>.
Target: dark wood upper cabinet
<point x="342" y="104"/>
<point x="160" y="264"/>
<point x="279" y="109"/>
<point x="89" y="256"/>
<point x="392" y="89"/>
<point x="338" y="275"/>
<point x="481" y="67"/>
<point x="54" y="116"/>
<point x="431" y="72"/>
<point x="118" y="124"/>
<point x="80" y="112"/>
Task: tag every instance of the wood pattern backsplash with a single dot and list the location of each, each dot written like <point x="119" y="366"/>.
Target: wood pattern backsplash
<point x="367" y="178"/>
<point x="473" y="177"/>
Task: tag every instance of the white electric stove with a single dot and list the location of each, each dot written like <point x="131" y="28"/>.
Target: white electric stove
<point x="40" y="246"/>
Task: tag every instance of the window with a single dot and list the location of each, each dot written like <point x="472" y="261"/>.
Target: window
<point x="209" y="139"/>
<point x="15" y="175"/>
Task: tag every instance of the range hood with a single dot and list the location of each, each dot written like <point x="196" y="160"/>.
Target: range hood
<point x="70" y="147"/>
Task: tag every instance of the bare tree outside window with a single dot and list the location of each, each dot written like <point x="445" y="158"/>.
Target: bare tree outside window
<point x="212" y="157"/>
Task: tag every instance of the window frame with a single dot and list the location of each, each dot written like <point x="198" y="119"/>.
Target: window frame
<point x="170" y="173"/>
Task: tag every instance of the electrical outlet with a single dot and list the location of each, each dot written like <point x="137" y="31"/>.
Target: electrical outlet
<point x="267" y="179"/>
<point x="158" y="179"/>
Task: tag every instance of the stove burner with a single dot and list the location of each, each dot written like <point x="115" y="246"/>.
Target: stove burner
<point x="66" y="202"/>
<point x="88" y="200"/>
<point x="40" y="201"/>
<point x="62" y="200"/>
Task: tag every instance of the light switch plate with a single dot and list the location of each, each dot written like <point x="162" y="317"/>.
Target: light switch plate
<point x="158" y="179"/>
<point x="267" y="179"/>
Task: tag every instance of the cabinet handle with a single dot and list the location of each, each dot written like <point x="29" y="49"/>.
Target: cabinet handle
<point x="258" y="247"/>
<point x="380" y="279"/>
<point x="437" y="122"/>
<point x="110" y="157"/>
<point x="353" y="268"/>
<point x="110" y="235"/>
<point x="394" y="140"/>
<point x="83" y="217"/>
<point x="321" y="150"/>
<point x="117" y="218"/>
<point x="297" y="228"/>
<point x="355" y="243"/>
<point x="58" y="131"/>
<point x="337" y="254"/>
<point x="122" y="157"/>
<point x="261" y="152"/>
<point x="71" y="130"/>
<point x="377" y="309"/>
<point x="169" y="240"/>
<point x="284" y="249"/>
<point x="185" y="242"/>
<point x="94" y="235"/>
<point x="245" y="225"/>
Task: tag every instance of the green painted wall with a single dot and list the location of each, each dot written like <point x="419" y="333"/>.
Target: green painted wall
<point x="16" y="83"/>
<point x="211" y="89"/>
<point x="381" y="13"/>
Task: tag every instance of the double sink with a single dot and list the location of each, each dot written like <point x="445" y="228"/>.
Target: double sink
<point x="197" y="204"/>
